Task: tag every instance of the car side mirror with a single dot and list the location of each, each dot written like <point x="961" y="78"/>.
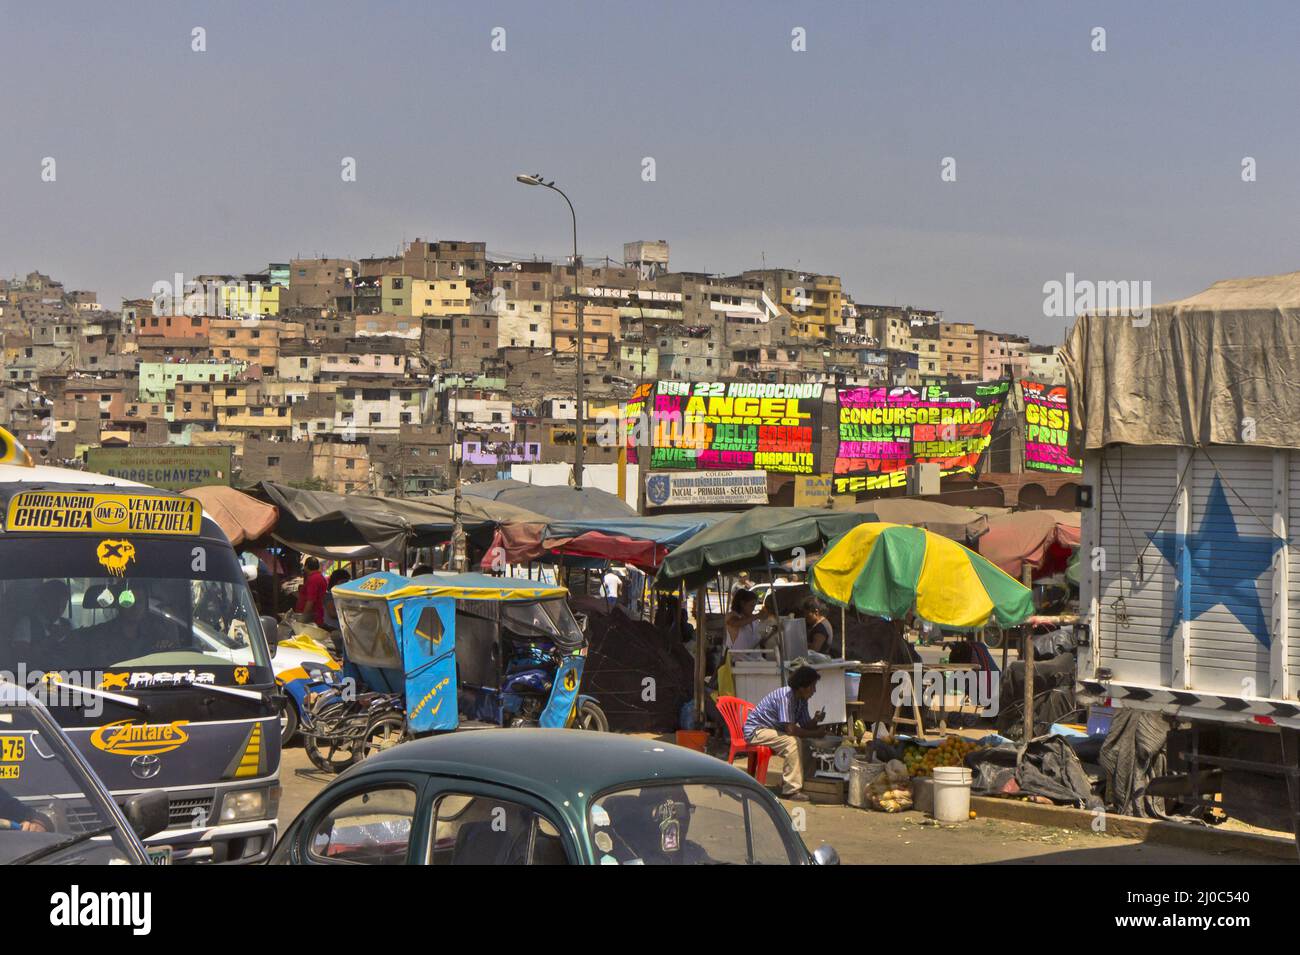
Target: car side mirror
<point x="148" y="813"/>
<point x="581" y="620"/>
<point x="825" y="854"/>
<point x="271" y="629"/>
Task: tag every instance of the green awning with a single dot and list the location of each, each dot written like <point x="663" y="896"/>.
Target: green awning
<point x="749" y="539"/>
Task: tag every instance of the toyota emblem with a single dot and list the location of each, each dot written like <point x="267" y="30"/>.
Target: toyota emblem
<point x="146" y="767"/>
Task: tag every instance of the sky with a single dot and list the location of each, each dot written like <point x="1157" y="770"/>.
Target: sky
<point x="1117" y="165"/>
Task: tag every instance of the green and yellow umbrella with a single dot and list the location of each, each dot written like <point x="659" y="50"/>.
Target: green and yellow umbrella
<point x="885" y="570"/>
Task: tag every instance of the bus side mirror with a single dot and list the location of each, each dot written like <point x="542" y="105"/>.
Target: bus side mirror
<point x="148" y="813"/>
<point x="271" y="629"/>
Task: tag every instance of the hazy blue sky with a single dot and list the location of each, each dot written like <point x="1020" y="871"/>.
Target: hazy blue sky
<point x="1117" y="165"/>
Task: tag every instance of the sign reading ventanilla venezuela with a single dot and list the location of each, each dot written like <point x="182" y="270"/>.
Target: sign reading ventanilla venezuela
<point x="715" y="425"/>
<point x="95" y="512"/>
<point x="883" y="430"/>
<point x="1047" y="427"/>
<point x="173" y="468"/>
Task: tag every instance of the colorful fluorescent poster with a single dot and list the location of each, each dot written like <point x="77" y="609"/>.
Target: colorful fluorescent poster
<point x="715" y="425"/>
<point x="883" y="430"/>
<point x="1047" y="428"/>
<point x="635" y="409"/>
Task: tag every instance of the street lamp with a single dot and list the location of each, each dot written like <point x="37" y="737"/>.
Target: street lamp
<point x="580" y="431"/>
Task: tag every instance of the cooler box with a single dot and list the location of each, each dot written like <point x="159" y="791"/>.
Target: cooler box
<point x="756" y="675"/>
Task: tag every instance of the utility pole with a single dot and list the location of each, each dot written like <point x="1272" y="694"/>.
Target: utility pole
<point x="458" y="555"/>
<point x="580" y="431"/>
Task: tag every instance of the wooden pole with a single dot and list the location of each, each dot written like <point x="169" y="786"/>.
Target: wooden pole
<point x="1027" y="655"/>
<point x="701" y="648"/>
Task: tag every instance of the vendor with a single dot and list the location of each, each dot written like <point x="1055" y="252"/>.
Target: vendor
<point x="781" y="721"/>
<point x="741" y="626"/>
<point x="821" y="636"/>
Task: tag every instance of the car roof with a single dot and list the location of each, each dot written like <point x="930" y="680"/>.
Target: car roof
<point x="561" y="765"/>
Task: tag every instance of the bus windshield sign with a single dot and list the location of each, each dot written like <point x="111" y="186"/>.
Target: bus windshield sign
<point x="90" y="512"/>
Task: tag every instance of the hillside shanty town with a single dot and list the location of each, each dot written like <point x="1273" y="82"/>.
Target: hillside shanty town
<point x="387" y="375"/>
<point x="868" y="436"/>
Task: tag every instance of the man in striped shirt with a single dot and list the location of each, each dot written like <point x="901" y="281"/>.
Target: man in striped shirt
<point x="781" y="721"/>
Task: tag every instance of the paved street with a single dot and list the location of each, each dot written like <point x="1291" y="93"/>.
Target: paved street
<point x="865" y="838"/>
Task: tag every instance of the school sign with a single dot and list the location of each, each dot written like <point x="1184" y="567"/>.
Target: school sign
<point x="171" y="467"/>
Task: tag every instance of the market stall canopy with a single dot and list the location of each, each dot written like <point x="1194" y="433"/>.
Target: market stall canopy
<point x="962" y="524"/>
<point x="240" y="517"/>
<point x="314" y="521"/>
<point x="554" y="502"/>
<point x="887" y="570"/>
<point x="1188" y="373"/>
<point x="745" y="540"/>
<point x="1029" y="537"/>
<point x="643" y="541"/>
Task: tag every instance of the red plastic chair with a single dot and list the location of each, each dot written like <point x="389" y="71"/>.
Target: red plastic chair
<point x="734" y="712"/>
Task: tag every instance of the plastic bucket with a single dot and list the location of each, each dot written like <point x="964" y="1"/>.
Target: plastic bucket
<point x="952" y="793"/>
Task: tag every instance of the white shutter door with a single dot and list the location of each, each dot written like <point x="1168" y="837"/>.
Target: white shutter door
<point x="1231" y="631"/>
<point x="1135" y="595"/>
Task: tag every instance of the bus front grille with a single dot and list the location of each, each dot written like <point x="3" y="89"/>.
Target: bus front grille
<point x="190" y="812"/>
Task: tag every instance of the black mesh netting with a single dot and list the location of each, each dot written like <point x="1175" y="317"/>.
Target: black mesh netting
<point x="621" y="654"/>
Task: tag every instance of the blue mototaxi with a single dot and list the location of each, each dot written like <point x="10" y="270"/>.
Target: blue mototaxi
<point x="464" y="649"/>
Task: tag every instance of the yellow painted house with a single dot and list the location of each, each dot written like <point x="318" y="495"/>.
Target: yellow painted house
<point x="406" y="295"/>
<point x="242" y="299"/>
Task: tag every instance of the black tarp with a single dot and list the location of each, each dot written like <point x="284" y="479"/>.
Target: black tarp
<point x="1054" y="699"/>
<point x="1047" y="767"/>
<point x="1132" y="755"/>
<point x="556" y="502"/>
<point x="314" y="521"/>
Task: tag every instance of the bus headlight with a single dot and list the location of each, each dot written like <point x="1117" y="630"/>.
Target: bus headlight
<point x="243" y="804"/>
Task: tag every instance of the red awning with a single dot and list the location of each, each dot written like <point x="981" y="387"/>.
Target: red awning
<point x="1043" y="539"/>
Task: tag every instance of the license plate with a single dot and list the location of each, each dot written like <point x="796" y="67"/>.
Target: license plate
<point x="13" y="749"/>
<point x="159" y="855"/>
<point x="9" y="772"/>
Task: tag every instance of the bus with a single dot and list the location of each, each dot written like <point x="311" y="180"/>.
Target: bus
<point x="126" y="612"/>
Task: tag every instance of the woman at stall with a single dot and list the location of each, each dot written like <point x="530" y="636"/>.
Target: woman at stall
<point x="821" y="636"/>
<point x="741" y="626"/>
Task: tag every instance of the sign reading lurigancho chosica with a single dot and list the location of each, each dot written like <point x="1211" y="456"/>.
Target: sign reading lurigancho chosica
<point x="1047" y="428"/>
<point x="883" y="430"/>
<point x="736" y="425"/>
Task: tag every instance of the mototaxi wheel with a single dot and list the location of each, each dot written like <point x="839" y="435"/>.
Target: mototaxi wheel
<point x="329" y="755"/>
<point x="383" y="732"/>
<point x="591" y="717"/>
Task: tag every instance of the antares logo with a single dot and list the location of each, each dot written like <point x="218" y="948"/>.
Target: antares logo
<point x="76" y="908"/>
<point x="125" y="738"/>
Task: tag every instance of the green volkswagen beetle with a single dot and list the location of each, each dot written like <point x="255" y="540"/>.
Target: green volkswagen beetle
<point x="543" y="797"/>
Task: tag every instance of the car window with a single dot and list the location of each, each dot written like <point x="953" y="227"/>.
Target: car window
<point x="370" y="828"/>
<point x="692" y="823"/>
<point x="484" y="830"/>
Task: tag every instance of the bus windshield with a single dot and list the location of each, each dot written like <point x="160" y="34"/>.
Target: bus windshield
<point x="66" y="605"/>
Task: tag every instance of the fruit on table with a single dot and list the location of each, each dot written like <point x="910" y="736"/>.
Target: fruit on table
<point x="922" y="760"/>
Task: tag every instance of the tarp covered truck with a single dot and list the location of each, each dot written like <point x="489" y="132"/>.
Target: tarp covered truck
<point x="1187" y="418"/>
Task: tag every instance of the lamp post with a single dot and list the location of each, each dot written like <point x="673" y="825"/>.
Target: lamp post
<point x="580" y="430"/>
